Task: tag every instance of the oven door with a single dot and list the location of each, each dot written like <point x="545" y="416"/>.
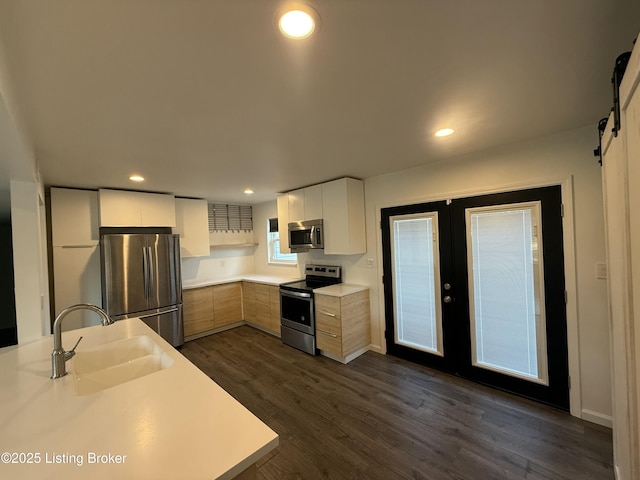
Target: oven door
<point x="297" y="311"/>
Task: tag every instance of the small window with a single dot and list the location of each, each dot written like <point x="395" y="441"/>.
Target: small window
<point x="224" y="217"/>
<point x="273" y="241"/>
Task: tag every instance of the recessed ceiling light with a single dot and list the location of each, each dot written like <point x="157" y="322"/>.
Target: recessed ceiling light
<point x="444" y="132"/>
<point x="136" y="178"/>
<point x="248" y="191"/>
<point x="298" y="22"/>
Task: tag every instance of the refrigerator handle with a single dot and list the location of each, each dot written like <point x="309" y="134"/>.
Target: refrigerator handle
<point x="152" y="264"/>
<point x="145" y="268"/>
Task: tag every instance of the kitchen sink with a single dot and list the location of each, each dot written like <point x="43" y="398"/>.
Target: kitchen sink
<point x="118" y="362"/>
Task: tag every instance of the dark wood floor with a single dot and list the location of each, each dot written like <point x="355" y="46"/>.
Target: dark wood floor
<point x="380" y="417"/>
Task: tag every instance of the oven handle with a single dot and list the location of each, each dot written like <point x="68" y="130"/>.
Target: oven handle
<point x="288" y="293"/>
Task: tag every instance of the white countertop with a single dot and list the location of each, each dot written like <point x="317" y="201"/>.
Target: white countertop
<point x="341" y="289"/>
<point x="171" y="424"/>
<point x="252" y="277"/>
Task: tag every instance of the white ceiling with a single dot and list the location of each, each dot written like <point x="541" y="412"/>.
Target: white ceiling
<point x="205" y="97"/>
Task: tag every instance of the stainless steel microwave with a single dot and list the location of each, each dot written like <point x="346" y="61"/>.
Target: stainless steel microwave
<point x="306" y="235"/>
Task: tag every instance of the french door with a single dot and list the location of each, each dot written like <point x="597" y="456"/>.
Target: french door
<point x="475" y="287"/>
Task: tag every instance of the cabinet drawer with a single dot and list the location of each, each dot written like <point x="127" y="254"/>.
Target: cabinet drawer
<point x="328" y="342"/>
<point x="328" y="324"/>
<point x="328" y="305"/>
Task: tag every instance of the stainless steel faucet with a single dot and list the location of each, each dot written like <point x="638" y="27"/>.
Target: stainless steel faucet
<point x="59" y="357"/>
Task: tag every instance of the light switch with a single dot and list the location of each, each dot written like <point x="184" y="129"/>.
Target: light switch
<point x="369" y="262"/>
<point x="601" y="270"/>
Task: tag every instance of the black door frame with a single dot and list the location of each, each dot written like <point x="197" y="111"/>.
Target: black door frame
<point x="457" y="334"/>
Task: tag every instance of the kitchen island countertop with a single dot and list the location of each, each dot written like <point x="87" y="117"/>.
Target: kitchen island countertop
<point x="173" y="423"/>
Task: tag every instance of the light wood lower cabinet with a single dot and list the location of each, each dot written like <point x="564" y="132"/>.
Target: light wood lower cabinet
<point x="211" y="307"/>
<point x="274" y="301"/>
<point x="343" y="325"/>
<point x="249" y="301"/>
<point x="197" y="310"/>
<point x="227" y="304"/>
<point x="261" y="305"/>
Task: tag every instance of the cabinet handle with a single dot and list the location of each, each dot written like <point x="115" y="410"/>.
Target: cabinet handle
<point x="329" y="314"/>
<point x="327" y="333"/>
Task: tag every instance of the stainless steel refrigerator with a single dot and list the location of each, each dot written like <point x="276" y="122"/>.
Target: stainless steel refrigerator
<point x="141" y="278"/>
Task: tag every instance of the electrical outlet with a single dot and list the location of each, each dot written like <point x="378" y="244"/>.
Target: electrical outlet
<point x="221" y="263"/>
<point x="601" y="271"/>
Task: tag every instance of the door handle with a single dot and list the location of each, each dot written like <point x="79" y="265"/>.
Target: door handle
<point x="447" y="299"/>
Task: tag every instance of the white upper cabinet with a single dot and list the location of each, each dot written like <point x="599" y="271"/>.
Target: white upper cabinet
<point x="192" y="224"/>
<point x="343" y="213"/>
<point x="305" y="204"/>
<point x="339" y="203"/>
<point x="157" y="210"/>
<point x="120" y="208"/>
<point x="313" y="202"/>
<point x="283" y="222"/>
<point x="74" y="217"/>
<point x="296" y="205"/>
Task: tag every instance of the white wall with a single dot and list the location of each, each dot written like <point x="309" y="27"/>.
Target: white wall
<point x="222" y="262"/>
<point x="19" y="174"/>
<point x="565" y="157"/>
<point x="29" y="259"/>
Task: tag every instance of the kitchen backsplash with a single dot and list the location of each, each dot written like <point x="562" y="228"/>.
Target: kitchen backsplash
<point x="220" y="264"/>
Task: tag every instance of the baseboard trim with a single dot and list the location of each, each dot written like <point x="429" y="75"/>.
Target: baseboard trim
<point x="195" y="336"/>
<point x="597" y="418"/>
<point x="346" y="359"/>
<point x="262" y="329"/>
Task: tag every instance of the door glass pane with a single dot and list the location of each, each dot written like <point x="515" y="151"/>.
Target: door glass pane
<point x="505" y="290"/>
<point x="416" y="281"/>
